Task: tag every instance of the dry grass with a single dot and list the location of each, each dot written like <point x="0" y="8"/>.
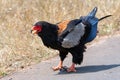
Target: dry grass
<point x="18" y="48"/>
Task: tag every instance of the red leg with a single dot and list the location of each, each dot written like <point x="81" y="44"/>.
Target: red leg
<point x="60" y="65"/>
<point x="62" y="55"/>
<point x="72" y="68"/>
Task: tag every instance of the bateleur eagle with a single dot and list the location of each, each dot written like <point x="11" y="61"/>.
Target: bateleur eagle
<point x="69" y="36"/>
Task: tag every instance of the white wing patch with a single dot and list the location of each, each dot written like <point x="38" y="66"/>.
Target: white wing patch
<point x="73" y="38"/>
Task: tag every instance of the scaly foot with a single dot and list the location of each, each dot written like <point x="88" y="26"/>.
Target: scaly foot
<point x="57" y="68"/>
<point x="72" y="68"/>
<point x="60" y="65"/>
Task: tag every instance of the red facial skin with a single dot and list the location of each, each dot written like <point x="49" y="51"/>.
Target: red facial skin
<point x="36" y="29"/>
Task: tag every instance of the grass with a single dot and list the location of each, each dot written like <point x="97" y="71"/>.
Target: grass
<point x="19" y="48"/>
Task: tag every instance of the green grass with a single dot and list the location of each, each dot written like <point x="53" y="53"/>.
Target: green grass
<point x="3" y="74"/>
<point x="19" y="48"/>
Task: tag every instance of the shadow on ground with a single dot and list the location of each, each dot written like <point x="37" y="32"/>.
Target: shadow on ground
<point x="91" y="69"/>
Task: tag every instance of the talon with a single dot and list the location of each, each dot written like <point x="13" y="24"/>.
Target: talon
<point x="71" y="70"/>
<point x="56" y="68"/>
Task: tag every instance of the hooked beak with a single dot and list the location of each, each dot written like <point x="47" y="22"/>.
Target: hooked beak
<point x="31" y="31"/>
<point x="34" y="31"/>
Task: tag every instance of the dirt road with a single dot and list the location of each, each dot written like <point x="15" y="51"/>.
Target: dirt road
<point x="101" y="62"/>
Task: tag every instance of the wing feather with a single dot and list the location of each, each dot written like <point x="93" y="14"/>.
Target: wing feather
<point x="62" y="26"/>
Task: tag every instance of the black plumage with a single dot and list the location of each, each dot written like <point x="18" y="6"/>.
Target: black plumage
<point x="49" y="36"/>
<point x="52" y="38"/>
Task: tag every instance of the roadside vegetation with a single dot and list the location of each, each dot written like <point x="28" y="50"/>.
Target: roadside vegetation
<point x="19" y="48"/>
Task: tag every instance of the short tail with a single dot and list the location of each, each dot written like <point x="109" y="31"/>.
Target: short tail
<point x="93" y="12"/>
<point x="104" y="17"/>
